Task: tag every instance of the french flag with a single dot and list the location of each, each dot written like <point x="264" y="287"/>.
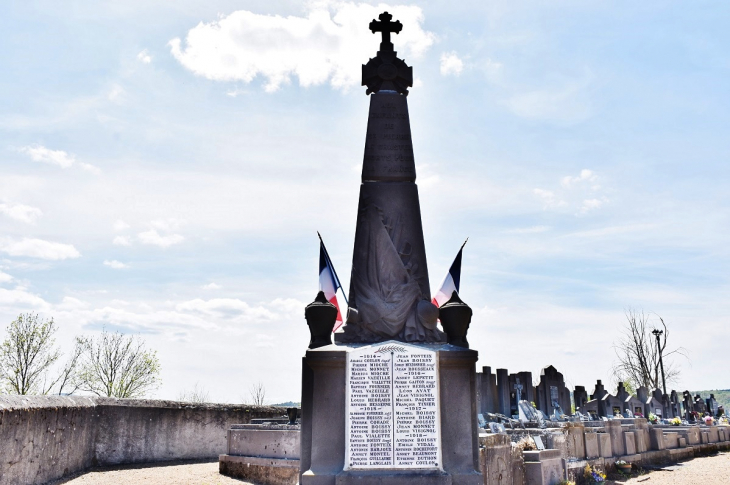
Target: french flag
<point x="328" y="281"/>
<point x="451" y="282"/>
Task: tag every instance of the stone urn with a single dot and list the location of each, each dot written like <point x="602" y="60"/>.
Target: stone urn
<point x="321" y="316"/>
<point x="455" y="316"/>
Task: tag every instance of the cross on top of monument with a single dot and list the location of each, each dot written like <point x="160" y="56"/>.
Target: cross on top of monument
<point x="386" y="71"/>
<point x="385" y="27"/>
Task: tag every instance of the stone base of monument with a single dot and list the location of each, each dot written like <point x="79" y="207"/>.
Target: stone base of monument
<point x="389" y="413"/>
<point x="262" y="453"/>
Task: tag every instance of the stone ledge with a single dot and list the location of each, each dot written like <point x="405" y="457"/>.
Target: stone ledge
<point x="271" y="471"/>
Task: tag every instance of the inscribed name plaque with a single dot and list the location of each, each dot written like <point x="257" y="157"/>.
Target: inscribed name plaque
<point x="393" y="418"/>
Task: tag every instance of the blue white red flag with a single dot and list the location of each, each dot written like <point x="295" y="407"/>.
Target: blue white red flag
<point x="451" y="282"/>
<point x="328" y="281"/>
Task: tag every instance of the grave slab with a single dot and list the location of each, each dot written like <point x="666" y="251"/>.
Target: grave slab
<point x="544" y="467"/>
<point x="630" y="443"/>
<point x="591" y="441"/>
<point x="618" y="443"/>
<point x="605" y="448"/>
<point x="656" y="437"/>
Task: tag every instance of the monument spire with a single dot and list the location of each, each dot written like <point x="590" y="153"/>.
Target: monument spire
<point x="390" y="297"/>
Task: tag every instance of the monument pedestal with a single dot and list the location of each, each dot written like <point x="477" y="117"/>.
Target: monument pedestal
<point x="324" y="428"/>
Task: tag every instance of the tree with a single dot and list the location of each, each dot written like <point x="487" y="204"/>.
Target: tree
<point x="197" y="394"/>
<point x="27" y="355"/>
<point x="638" y="354"/>
<point x="258" y="393"/>
<point x="118" y="365"/>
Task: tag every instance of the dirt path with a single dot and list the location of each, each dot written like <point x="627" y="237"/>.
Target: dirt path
<point x="709" y="470"/>
<point x="173" y="473"/>
<point x="712" y="470"/>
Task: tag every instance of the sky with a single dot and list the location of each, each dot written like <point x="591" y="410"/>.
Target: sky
<point x="164" y="168"/>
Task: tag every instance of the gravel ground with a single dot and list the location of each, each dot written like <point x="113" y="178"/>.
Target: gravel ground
<point x="709" y="470"/>
<point x="171" y="473"/>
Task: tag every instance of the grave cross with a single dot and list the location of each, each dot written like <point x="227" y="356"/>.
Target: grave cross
<point x="518" y="389"/>
<point x="385" y="26"/>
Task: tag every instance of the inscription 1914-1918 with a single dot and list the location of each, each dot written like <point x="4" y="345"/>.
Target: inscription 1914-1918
<point x="393" y="408"/>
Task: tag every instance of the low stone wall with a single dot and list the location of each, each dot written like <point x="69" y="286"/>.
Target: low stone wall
<point x="43" y="438"/>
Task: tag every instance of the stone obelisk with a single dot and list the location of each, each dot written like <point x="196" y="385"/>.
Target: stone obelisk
<point x="389" y="289"/>
<point x="391" y="402"/>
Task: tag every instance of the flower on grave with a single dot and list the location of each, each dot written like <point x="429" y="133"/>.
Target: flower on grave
<point x="593" y="476"/>
<point x="708" y="420"/>
<point x="621" y="462"/>
<point x="653" y="418"/>
<point x="676" y="421"/>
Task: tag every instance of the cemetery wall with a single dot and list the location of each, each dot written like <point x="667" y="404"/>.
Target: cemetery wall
<point x="43" y="438"/>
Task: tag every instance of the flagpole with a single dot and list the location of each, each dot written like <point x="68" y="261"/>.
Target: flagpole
<point x="462" y="246"/>
<point x="329" y="262"/>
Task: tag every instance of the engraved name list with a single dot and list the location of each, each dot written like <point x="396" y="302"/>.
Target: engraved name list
<point x="393" y="408"/>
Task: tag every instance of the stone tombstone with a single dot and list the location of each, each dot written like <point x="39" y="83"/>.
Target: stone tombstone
<point x="699" y="405"/>
<point x="580" y="397"/>
<point x="676" y="406"/>
<point x="487" y="398"/>
<point x="390" y="401"/>
<point x="688" y="405"/>
<point x="552" y="395"/>
<point x="712" y="405"/>
<point x="527" y="413"/>
<point x="392" y="408"/>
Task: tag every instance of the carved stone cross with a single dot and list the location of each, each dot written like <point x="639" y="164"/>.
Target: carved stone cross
<point x="385" y="26"/>
<point x="518" y="389"/>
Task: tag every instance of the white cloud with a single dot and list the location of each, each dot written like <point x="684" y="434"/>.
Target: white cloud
<point x="549" y="199"/>
<point x="20" y="212"/>
<point x="211" y="286"/>
<point x="451" y="65"/>
<point x="114" y="264"/>
<point x="170" y="224"/>
<point x="20" y="297"/>
<point x="154" y="238"/>
<point x="39" y="153"/>
<point x="122" y="241"/>
<point x="590" y="204"/>
<point x="317" y="48"/>
<point x="226" y="307"/>
<point x="144" y="57"/>
<point x="120" y="225"/>
<point x="5" y="278"/>
<point x="38" y="248"/>
<point x="585" y="175"/>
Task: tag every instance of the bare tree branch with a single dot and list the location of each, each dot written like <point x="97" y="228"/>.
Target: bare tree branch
<point x="638" y="354"/>
<point x="118" y="365"/>
<point x="258" y="393"/>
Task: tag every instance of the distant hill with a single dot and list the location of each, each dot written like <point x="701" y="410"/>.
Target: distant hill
<point x="292" y="404"/>
<point x="722" y="396"/>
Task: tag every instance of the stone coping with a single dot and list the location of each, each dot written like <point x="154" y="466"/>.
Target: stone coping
<point x="36" y="402"/>
<point x="255" y="460"/>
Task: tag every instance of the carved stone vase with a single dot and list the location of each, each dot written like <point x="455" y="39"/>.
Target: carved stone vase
<point x="455" y="316"/>
<point x="321" y="316"/>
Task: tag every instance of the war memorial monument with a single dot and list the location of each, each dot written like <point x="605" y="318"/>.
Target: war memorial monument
<point x="393" y="400"/>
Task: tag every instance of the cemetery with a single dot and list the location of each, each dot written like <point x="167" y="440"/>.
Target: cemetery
<point x="390" y="398"/>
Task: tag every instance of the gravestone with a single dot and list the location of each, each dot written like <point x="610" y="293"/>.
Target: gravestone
<point x="487" y="398"/>
<point x="503" y="392"/>
<point x="527" y="413"/>
<point x="552" y="395"/>
<point x="712" y="406"/>
<point x="520" y="388"/>
<point x="699" y="404"/>
<point x="676" y="404"/>
<point x="390" y="402"/>
<point x="688" y="404"/>
<point x="580" y="397"/>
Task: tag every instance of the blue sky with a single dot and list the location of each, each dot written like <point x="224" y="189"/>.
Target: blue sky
<point x="164" y="168"/>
